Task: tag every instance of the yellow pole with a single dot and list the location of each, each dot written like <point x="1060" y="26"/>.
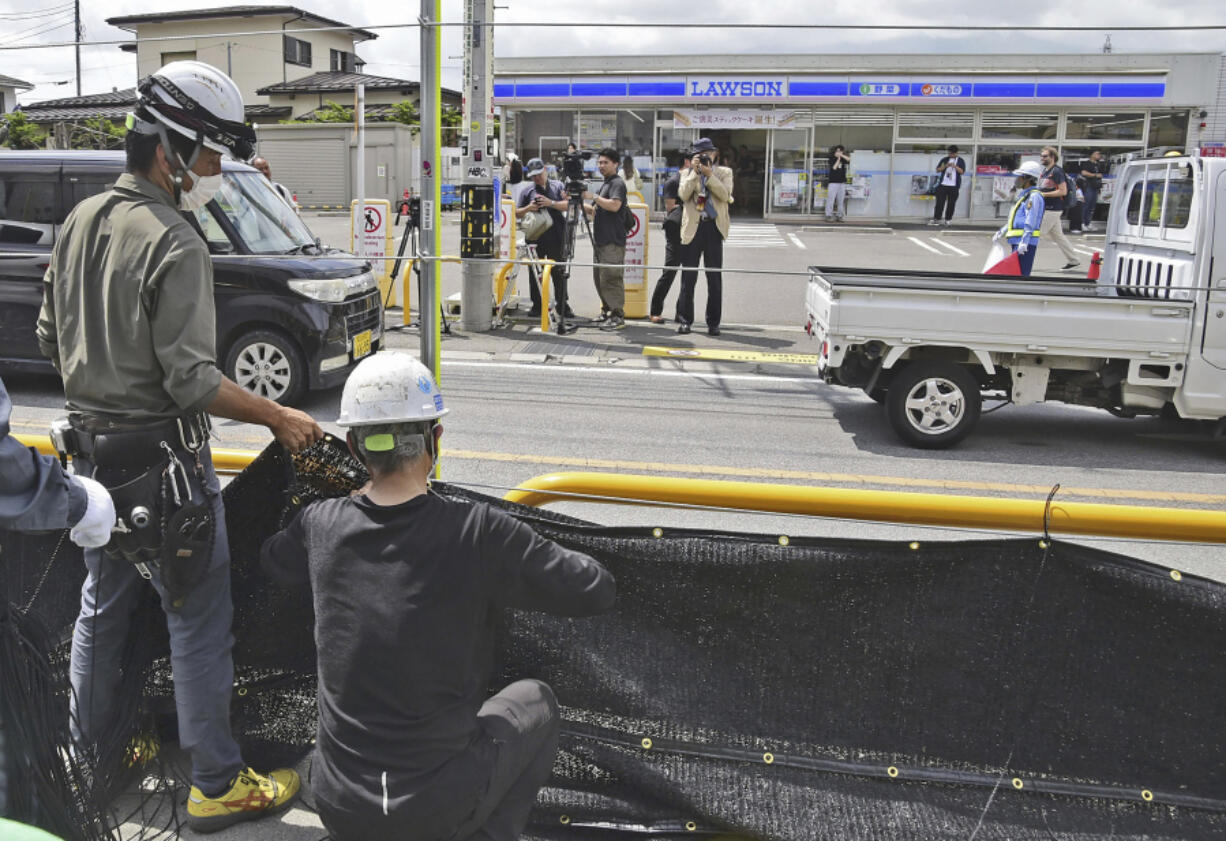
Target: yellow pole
<point x="546" y="278"/>
<point x="1130" y="521"/>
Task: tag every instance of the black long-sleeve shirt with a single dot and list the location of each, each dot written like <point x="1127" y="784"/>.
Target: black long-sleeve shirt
<point x="406" y="602"/>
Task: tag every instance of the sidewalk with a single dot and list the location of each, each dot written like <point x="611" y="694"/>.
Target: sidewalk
<point x="748" y="348"/>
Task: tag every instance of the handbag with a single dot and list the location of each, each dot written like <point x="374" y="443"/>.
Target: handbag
<point x="535" y="223"/>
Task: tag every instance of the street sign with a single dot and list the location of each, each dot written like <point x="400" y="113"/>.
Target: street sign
<point x="370" y="234"/>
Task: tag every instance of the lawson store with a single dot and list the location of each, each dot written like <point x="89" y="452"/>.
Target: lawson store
<point x="775" y="118"/>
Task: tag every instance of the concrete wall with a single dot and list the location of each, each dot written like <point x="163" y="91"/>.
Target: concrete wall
<point x="318" y="161"/>
<point x="254" y="61"/>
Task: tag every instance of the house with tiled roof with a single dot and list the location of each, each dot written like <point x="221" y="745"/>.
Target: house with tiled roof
<point x="8" y="92"/>
<point x="305" y="96"/>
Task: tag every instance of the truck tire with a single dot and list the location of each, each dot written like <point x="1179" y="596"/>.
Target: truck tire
<point x="267" y="364"/>
<point x="932" y="405"/>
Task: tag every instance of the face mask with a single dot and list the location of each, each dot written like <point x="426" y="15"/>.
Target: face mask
<point x="201" y="193"/>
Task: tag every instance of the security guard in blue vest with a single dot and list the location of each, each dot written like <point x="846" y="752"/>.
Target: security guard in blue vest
<point x="1022" y="229"/>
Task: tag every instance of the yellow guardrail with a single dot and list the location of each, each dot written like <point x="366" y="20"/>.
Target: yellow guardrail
<point x="1082" y="518"/>
<point x="948" y="510"/>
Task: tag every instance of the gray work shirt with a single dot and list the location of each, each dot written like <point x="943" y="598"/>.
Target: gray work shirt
<point x="128" y="317"/>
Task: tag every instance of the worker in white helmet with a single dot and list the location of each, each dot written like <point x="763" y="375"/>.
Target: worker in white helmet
<point x="1026" y="217"/>
<point x="128" y="320"/>
<point x="407" y="587"/>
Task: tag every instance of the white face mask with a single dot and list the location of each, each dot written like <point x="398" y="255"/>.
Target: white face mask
<point x="201" y="193"/>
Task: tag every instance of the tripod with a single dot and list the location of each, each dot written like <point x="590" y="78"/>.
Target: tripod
<point x="574" y="212"/>
<point x="413" y="233"/>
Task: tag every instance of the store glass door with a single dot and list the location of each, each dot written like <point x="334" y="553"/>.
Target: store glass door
<point x="789" y="172"/>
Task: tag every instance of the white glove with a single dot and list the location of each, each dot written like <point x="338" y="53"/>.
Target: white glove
<point x="996" y="236"/>
<point x="1022" y="248"/>
<point x="94" y="530"/>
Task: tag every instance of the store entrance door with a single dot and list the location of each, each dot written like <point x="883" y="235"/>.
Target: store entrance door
<point x="744" y="152"/>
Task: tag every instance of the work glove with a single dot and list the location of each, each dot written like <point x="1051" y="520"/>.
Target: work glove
<point x="1022" y="248"/>
<point x="996" y="236"/>
<point x="94" y="529"/>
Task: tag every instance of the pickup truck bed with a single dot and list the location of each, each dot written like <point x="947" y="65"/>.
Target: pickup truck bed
<point x="1042" y="315"/>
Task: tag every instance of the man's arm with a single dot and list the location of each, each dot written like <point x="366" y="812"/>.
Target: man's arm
<point x="35" y="493"/>
<point x="48" y="337"/>
<point x="283" y="557"/>
<point x="719" y="183"/>
<point x="688" y="184"/>
<point x="293" y="428"/>
<point x="538" y="574"/>
<point x="1059" y="190"/>
<point x="960" y="166"/>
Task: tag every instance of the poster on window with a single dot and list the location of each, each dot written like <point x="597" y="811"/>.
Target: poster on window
<point x="1002" y="188"/>
<point x="923" y="186"/>
<point x="787" y="189"/>
<point x="860" y="187"/>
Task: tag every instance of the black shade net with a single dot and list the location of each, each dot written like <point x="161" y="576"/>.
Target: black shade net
<point x="790" y="689"/>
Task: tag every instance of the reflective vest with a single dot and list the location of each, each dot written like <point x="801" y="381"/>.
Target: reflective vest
<point x="1014" y="230"/>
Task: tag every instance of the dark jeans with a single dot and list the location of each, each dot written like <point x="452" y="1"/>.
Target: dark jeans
<point x="1087" y="212"/>
<point x="947" y="197"/>
<point x="1026" y="261"/>
<point x="707" y="245"/>
<point x="550" y="248"/>
<point x="672" y="257"/>
<point x="519" y="735"/>
<point x="1074" y="215"/>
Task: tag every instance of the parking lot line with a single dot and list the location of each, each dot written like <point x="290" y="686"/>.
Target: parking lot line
<point x="796" y="241"/>
<point x="955" y="249"/>
<point x="925" y="245"/>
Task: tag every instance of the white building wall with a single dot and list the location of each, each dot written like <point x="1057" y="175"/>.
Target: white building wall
<point x="253" y="61"/>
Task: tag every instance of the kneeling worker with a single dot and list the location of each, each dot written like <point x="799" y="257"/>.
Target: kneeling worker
<point x="407" y="590"/>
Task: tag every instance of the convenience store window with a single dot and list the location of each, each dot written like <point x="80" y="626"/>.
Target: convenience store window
<point x="1126" y="126"/>
<point x="1008" y="125"/>
<point x="1168" y="129"/>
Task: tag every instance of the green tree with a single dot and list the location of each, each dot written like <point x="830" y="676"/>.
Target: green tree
<point x="20" y="133"/>
<point x="331" y="112"/>
<point x="405" y="112"/>
<point x="97" y="133"/>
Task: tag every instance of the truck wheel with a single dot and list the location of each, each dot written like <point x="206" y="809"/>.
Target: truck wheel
<point x="932" y="404"/>
<point x="267" y="364"/>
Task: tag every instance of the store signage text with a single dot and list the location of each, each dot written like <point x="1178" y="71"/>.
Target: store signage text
<point x="881" y="89"/>
<point x="739" y="88"/>
<point x="941" y="90"/>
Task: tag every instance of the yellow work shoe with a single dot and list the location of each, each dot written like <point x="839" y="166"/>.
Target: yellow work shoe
<point x="252" y="796"/>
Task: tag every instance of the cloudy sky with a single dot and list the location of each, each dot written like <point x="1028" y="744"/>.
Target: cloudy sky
<point x="24" y="24"/>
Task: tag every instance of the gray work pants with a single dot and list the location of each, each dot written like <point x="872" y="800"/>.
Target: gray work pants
<point x="200" y="643"/>
<point x="610" y="283"/>
<point x="519" y="739"/>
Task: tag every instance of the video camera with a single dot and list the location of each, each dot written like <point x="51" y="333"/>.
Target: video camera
<point x="572" y="170"/>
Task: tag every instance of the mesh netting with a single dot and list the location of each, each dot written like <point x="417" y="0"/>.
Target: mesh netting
<point x="797" y="689"/>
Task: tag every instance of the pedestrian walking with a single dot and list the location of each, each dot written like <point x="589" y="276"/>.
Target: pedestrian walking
<point x="1054" y="188"/>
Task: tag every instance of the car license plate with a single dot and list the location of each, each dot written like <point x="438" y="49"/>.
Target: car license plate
<point x="361" y="344"/>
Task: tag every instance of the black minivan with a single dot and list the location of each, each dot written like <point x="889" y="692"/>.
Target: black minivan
<point x="291" y="314"/>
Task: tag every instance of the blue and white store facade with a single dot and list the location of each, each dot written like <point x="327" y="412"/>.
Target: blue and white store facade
<point x="775" y="118"/>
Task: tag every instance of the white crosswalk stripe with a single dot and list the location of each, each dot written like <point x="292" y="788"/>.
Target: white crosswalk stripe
<point x="955" y="249"/>
<point x="925" y="245"/>
<point x="1087" y="251"/>
<point x="742" y="235"/>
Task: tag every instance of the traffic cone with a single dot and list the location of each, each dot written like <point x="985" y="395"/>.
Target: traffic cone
<point x="1096" y="263"/>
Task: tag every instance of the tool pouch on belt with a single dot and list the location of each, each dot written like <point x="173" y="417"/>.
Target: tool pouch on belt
<point x="164" y="522"/>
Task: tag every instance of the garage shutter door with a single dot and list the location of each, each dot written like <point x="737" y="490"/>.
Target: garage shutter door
<point x="314" y="169"/>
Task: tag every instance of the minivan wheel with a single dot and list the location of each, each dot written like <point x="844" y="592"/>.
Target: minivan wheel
<point x="932" y="404"/>
<point x="267" y="364"/>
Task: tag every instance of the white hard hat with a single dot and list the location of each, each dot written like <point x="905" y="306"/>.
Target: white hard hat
<point x="390" y="387"/>
<point x="1032" y="168"/>
<point x="199" y="102"/>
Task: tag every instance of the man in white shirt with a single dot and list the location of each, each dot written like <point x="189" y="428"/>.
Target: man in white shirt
<point x="950" y="169"/>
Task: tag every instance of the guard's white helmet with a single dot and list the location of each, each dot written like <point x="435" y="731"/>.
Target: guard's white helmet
<point x="199" y="102"/>
<point x="1032" y="168"/>
<point x="390" y="387"/>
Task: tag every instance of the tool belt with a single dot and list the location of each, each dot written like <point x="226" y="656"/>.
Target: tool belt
<point x="163" y="522"/>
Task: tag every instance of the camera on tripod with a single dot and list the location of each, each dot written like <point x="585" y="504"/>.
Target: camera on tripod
<point x="572" y="170"/>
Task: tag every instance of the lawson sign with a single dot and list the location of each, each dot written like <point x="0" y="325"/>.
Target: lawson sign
<point x="700" y="87"/>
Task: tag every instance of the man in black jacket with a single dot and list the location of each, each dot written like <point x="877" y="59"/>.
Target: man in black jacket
<point x="408" y="588"/>
<point x="950" y="169"/>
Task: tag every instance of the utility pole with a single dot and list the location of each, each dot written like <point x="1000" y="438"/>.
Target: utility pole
<point x="76" y="36"/>
<point x="478" y="204"/>
<point x="430" y="243"/>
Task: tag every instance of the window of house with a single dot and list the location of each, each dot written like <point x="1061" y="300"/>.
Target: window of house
<point x="182" y="55"/>
<point x="343" y="62"/>
<point x="297" y="51"/>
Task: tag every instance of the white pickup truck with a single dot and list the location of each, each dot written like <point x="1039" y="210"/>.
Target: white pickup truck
<point x="1149" y="336"/>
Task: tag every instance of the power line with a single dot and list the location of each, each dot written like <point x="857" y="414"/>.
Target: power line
<point x="31" y="15"/>
<point x="10" y="41"/>
<point x="881" y="27"/>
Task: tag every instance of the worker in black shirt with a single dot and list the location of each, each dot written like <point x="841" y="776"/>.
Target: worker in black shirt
<point x="408" y="587"/>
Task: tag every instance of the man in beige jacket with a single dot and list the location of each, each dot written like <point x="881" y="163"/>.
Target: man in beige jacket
<point x="705" y="193"/>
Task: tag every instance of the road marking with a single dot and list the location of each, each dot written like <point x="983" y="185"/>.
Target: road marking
<point x="1040" y="491"/>
<point x="587" y="370"/>
<point x="759" y="235"/>
<point x="731" y="355"/>
<point x="925" y="245"/>
<point x="1085" y="251"/>
<point x="796" y="241"/>
<point x="952" y="248"/>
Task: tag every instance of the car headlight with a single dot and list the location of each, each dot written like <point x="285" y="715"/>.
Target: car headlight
<point x="333" y="290"/>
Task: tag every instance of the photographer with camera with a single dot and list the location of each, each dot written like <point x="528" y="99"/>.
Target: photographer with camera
<point x="550" y="197"/>
<point x="609" y="240"/>
<point x="705" y="192"/>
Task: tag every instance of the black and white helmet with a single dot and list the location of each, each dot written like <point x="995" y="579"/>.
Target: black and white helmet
<point x="199" y="102"/>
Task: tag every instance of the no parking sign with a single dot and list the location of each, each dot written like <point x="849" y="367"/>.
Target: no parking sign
<point x="370" y="234"/>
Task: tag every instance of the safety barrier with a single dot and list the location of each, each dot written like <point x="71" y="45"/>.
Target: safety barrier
<point x="943" y="510"/>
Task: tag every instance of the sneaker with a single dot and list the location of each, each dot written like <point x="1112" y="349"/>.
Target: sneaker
<point x="614" y="322"/>
<point x="932" y="223"/>
<point x="683" y="328"/>
<point x="712" y="331"/>
<point x="1071" y="265"/>
<point x="252" y="796"/>
<point x="535" y="312"/>
<point x="658" y="319"/>
<point x="947" y="223"/>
